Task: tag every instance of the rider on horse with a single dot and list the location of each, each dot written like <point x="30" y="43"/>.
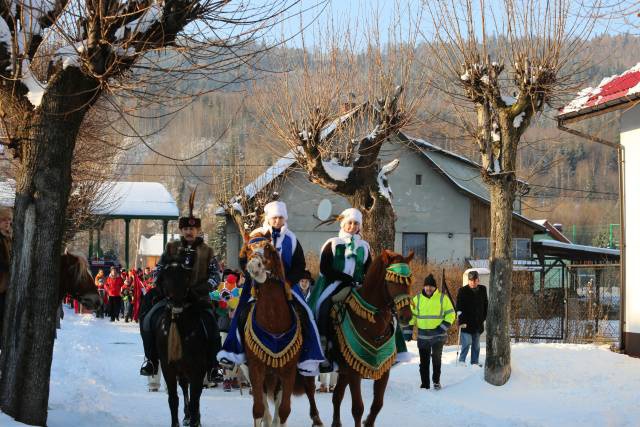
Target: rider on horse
<point x="197" y="256"/>
<point x="292" y="256"/>
<point x="344" y="261"/>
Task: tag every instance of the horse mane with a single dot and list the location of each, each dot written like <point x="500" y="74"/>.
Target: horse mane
<point x="376" y="271"/>
<point x="78" y="266"/>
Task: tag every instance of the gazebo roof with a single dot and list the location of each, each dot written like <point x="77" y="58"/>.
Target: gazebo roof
<point x="137" y="200"/>
<point x="123" y="200"/>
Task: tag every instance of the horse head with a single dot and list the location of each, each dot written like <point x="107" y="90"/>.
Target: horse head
<point x="394" y="270"/>
<point x="173" y="279"/>
<point x="76" y="280"/>
<point x="263" y="260"/>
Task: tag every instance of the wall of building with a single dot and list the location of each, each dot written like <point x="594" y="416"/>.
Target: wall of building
<point x="436" y="207"/>
<point x="630" y="139"/>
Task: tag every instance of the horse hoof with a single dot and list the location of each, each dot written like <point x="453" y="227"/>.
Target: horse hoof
<point x="336" y="424"/>
<point x="186" y="422"/>
<point x="317" y="422"/>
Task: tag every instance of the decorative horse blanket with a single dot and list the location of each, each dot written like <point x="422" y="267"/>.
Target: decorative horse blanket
<point x="311" y="352"/>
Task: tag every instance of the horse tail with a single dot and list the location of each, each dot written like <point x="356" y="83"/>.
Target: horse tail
<point x="174" y="343"/>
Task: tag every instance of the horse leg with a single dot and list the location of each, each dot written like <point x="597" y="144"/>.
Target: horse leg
<point x="194" y="403"/>
<point x="172" y="389"/>
<point x="310" y="390"/>
<point x="284" y="409"/>
<point x="276" y="407"/>
<point x="379" y="386"/>
<point x="184" y="385"/>
<point x="338" y="395"/>
<point x="259" y="397"/>
<point x="357" y="406"/>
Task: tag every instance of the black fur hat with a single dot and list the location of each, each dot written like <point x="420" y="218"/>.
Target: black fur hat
<point x="190" y="221"/>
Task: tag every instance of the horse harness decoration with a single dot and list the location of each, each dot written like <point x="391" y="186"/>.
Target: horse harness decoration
<point x="370" y="360"/>
<point x="274" y="350"/>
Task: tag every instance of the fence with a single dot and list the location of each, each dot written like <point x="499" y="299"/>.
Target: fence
<point x="581" y="303"/>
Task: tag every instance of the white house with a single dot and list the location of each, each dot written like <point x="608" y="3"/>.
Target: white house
<point x="619" y="92"/>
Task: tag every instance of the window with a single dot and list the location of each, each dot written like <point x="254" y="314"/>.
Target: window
<point x="521" y="248"/>
<point x="418" y="179"/>
<point x="481" y="248"/>
<point x="416" y="242"/>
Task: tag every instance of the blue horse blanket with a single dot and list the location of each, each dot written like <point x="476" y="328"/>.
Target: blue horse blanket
<point x="311" y="354"/>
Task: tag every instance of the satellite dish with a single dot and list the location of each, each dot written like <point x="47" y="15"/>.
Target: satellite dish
<point x="324" y="210"/>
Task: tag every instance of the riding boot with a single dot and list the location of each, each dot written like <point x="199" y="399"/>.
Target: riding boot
<point x="150" y="365"/>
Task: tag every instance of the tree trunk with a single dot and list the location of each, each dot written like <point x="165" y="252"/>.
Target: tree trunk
<point x="42" y="191"/>
<point x="498" y="362"/>
<point x="379" y="219"/>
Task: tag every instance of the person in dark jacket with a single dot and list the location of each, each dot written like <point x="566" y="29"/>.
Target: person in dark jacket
<point x="472" y="305"/>
<point x="6" y="229"/>
<point x="194" y="253"/>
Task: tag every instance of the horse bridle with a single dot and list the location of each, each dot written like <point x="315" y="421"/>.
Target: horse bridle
<point x="178" y="309"/>
<point x="395" y="304"/>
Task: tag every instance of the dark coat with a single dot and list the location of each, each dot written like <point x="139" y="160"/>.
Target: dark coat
<point x="473" y="305"/>
<point x="205" y="273"/>
<point x="5" y="263"/>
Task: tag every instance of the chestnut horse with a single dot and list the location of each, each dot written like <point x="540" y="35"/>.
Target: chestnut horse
<point x="368" y="313"/>
<point x="273" y="314"/>
<point x="76" y="280"/>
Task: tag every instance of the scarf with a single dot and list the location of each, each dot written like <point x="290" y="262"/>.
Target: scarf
<point x="350" y="243"/>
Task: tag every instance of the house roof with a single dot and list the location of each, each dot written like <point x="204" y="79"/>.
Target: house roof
<point x="463" y="173"/>
<point x="552" y="230"/>
<point x="573" y="252"/>
<point x="612" y="92"/>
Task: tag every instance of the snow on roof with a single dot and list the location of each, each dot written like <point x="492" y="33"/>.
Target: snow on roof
<point x="552" y="230"/>
<point x="614" y="90"/>
<point x="336" y="171"/>
<point x="137" y="199"/>
<point x="270" y="174"/>
<point x="7" y="193"/>
<point x="152" y="246"/>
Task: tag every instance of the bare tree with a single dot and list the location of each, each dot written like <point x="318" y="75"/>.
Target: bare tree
<point x="342" y="101"/>
<point x="243" y="191"/>
<point x="58" y="58"/>
<point x="500" y="64"/>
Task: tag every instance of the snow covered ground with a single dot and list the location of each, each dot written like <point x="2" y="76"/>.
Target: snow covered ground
<point x="95" y="382"/>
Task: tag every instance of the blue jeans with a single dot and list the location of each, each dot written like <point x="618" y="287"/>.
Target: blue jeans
<point x="470" y="340"/>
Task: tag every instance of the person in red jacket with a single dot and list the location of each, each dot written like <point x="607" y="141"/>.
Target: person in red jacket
<point x="134" y="278"/>
<point x="113" y="286"/>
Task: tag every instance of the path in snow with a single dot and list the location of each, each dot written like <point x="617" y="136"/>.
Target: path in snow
<point x="95" y="382"/>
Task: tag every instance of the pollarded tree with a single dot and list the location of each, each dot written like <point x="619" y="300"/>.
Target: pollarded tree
<point x="501" y="63"/>
<point x="57" y="59"/>
<point x="342" y="101"/>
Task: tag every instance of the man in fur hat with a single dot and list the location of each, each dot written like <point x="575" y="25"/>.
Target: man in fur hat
<point x="195" y="254"/>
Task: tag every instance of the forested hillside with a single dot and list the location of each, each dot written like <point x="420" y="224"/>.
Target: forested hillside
<point x="223" y="143"/>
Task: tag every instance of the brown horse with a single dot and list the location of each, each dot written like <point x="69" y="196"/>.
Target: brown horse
<point x="273" y="374"/>
<point x="76" y="280"/>
<point x="369" y="312"/>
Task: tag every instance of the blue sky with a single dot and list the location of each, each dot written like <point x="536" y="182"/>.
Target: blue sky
<point x="354" y="12"/>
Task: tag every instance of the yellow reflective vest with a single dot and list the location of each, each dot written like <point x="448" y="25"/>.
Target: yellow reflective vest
<point x="430" y="313"/>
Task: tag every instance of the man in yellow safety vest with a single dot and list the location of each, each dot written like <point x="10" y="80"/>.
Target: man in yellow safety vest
<point x="433" y="314"/>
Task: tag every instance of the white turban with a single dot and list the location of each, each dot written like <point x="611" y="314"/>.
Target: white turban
<point x="275" y="209"/>
<point x="351" y="214"/>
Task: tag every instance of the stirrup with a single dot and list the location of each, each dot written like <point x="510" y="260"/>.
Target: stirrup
<point x="148" y="368"/>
